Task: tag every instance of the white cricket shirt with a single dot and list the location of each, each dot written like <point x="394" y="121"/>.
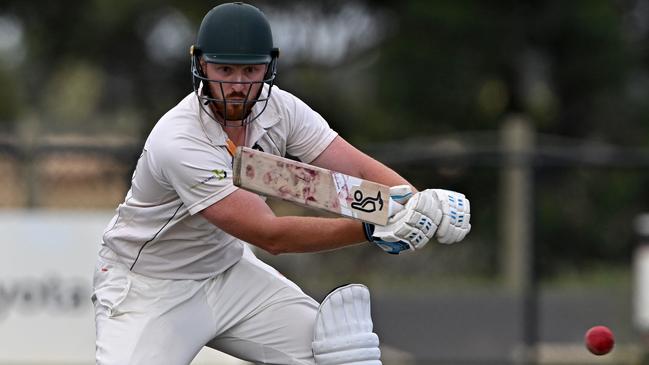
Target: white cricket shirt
<point x="184" y="168"/>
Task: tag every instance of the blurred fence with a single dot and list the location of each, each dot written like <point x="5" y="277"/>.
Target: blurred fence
<point x="65" y="172"/>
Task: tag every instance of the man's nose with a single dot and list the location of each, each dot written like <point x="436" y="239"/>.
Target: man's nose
<point x="238" y="82"/>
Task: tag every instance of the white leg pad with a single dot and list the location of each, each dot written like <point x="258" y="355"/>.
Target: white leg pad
<point x="343" y="331"/>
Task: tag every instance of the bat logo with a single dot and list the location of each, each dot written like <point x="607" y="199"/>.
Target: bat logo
<point x="367" y="205"/>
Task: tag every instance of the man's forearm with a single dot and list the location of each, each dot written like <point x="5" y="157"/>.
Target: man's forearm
<point x="380" y="173"/>
<point x="293" y="234"/>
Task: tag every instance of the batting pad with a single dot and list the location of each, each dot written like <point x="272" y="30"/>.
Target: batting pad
<point x="343" y="331"/>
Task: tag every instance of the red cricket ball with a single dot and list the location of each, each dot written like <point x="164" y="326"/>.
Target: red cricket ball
<point x="599" y="340"/>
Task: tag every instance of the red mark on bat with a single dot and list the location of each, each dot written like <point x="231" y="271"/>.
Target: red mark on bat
<point x="250" y="171"/>
<point x="285" y="191"/>
<point x="303" y="175"/>
<point x="308" y="192"/>
<point x="268" y="178"/>
<point x="311" y="172"/>
<point x="335" y="203"/>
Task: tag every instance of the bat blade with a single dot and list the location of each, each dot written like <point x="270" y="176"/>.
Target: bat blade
<point x="311" y="186"/>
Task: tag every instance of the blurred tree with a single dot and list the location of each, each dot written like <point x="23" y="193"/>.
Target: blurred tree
<point x="9" y="101"/>
<point x="448" y="59"/>
<point x="114" y="38"/>
<point x="573" y="67"/>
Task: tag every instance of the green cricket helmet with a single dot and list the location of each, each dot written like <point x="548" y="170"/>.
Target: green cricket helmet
<point x="239" y="34"/>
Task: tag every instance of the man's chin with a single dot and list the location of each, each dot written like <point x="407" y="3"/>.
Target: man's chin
<point x="234" y="115"/>
<point x="234" y="118"/>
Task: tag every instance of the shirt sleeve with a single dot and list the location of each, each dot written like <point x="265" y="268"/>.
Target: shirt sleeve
<point x="309" y="133"/>
<point x="200" y="174"/>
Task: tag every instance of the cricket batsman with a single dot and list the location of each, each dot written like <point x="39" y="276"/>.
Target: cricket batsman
<point x="175" y="271"/>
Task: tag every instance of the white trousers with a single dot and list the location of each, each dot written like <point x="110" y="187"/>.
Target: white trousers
<point x="250" y="311"/>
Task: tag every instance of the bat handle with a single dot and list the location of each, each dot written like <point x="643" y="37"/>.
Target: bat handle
<point x="394" y="208"/>
<point x="398" y="194"/>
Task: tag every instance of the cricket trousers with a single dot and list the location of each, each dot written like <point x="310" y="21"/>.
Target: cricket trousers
<point x="250" y="311"/>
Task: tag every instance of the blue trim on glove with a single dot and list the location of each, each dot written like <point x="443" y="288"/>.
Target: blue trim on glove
<point x="401" y="199"/>
<point x="368" y="230"/>
<point x="393" y="248"/>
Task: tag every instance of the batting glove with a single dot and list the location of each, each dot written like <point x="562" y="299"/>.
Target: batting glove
<point x="456" y="215"/>
<point x="410" y="228"/>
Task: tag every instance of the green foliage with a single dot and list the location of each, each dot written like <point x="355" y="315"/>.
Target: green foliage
<point x="446" y="55"/>
<point x="9" y="100"/>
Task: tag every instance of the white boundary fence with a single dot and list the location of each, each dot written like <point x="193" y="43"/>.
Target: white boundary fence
<point x="46" y="265"/>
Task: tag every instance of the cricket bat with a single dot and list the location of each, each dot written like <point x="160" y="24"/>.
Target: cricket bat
<point x="312" y="186"/>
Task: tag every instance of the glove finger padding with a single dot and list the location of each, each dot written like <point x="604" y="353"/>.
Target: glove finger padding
<point x="456" y="215"/>
<point x="414" y="226"/>
<point x="401" y="193"/>
<point x="415" y="229"/>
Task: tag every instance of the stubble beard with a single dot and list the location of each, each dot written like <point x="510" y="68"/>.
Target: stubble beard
<point x="233" y="111"/>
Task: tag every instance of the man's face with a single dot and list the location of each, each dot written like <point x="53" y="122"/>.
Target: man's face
<point x="239" y="84"/>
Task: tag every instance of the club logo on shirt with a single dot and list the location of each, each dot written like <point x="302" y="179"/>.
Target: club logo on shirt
<point x="220" y="174"/>
<point x="216" y="174"/>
